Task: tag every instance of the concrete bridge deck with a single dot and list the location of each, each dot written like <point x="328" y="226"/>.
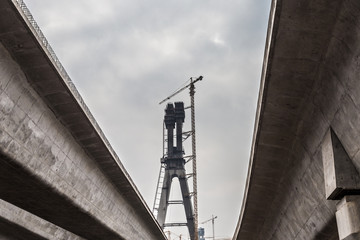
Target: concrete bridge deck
<point x="58" y="172"/>
<point x="60" y="178"/>
<point x="310" y="84"/>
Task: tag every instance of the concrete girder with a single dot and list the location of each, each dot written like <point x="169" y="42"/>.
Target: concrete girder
<point x="309" y="83"/>
<point x="50" y="140"/>
<point x="21" y="225"/>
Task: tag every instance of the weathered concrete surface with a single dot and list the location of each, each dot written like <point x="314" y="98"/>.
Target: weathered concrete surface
<point x="16" y="223"/>
<point x="55" y="161"/>
<point x="310" y="83"/>
<point x="340" y="175"/>
<point x="348" y="218"/>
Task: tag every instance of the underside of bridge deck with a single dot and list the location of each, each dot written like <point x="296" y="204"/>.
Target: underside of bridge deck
<point x="309" y="84"/>
<point x="22" y="188"/>
<point x="56" y="163"/>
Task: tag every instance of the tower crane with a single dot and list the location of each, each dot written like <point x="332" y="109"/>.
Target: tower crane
<point x="183" y="88"/>
<point x="212" y="219"/>
<point x="191" y="87"/>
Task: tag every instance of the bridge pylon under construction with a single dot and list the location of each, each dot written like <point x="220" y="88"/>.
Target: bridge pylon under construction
<point x="173" y="165"/>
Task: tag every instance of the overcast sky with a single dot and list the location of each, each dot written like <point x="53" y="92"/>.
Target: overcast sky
<point x="125" y="56"/>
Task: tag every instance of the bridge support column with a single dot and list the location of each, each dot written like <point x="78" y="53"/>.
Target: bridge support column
<point x="348" y="218"/>
<point x="342" y="182"/>
<point x="340" y="175"/>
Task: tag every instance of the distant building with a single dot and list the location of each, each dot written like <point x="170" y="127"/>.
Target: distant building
<point x="201" y="233"/>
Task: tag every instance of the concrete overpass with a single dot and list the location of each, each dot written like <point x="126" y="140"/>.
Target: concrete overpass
<point x="303" y="180"/>
<point x="60" y="178"/>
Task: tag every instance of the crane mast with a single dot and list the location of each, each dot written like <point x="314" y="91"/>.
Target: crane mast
<point x="193" y="145"/>
<point x="191" y="86"/>
<point x="212" y="219"/>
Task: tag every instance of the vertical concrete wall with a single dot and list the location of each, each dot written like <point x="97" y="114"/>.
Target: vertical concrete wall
<point x="31" y="138"/>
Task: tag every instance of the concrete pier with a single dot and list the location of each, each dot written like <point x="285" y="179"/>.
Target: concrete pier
<point x="348" y="218"/>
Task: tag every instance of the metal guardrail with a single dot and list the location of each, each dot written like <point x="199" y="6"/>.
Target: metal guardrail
<point x="43" y="40"/>
<point x="67" y="80"/>
<point x="60" y="68"/>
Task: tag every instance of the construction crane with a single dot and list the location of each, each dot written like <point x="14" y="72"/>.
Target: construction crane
<point x="181" y="89"/>
<point x="191" y="87"/>
<point x="212" y="219"/>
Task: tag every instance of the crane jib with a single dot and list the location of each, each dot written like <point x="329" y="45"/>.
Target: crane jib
<point x="192" y="82"/>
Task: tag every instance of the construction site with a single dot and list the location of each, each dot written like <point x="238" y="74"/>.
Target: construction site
<point x="292" y="168"/>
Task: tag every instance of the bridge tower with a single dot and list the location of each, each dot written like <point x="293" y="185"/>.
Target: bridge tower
<point x="173" y="165"/>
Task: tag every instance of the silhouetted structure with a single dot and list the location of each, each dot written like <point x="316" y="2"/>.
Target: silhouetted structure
<point x="174" y="166"/>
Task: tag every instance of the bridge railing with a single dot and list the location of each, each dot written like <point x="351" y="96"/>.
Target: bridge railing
<point x="60" y="68"/>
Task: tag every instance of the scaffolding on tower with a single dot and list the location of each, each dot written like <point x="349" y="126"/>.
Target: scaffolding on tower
<point x="192" y="157"/>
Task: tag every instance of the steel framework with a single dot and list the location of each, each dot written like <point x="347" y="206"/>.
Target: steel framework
<point x="164" y="173"/>
<point x="173" y="165"/>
